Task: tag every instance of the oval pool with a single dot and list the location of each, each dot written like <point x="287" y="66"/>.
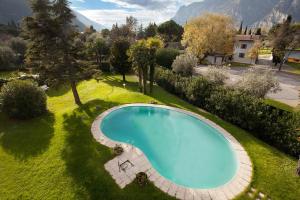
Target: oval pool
<point x="181" y="147"/>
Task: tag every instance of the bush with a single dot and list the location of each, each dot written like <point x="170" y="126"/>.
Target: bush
<point x="184" y="64"/>
<point x="258" y="82"/>
<point x="105" y="67"/>
<point x="142" y="178"/>
<point x="7" y="58"/>
<point x="275" y="126"/>
<point x="217" y="75"/>
<point x="166" y="56"/>
<point x="23" y="99"/>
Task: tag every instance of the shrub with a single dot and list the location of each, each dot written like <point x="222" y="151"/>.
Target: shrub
<point x="142" y="178"/>
<point x="258" y="82"/>
<point x="23" y="99"/>
<point x="275" y="126"/>
<point x="217" y="75"/>
<point x="184" y="64"/>
<point x="118" y="150"/>
<point x="7" y="58"/>
<point x="166" y="56"/>
<point x="105" y="67"/>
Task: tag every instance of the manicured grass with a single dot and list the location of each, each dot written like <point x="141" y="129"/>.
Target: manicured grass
<point x="280" y="105"/>
<point x="8" y="74"/>
<point x="56" y="157"/>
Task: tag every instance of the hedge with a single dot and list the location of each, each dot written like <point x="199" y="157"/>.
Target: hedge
<point x="166" y="56"/>
<point x="274" y="126"/>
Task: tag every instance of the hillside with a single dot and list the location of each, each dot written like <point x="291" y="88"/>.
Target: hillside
<point x="253" y="13"/>
<point x="15" y="10"/>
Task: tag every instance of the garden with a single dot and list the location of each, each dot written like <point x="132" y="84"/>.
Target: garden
<point x="51" y="95"/>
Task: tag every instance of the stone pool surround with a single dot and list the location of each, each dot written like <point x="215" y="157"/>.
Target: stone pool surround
<point x="234" y="187"/>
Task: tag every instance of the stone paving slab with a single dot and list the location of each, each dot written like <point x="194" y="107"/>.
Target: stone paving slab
<point x="140" y="163"/>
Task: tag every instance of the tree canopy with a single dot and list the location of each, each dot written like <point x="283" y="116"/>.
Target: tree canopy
<point x="170" y="31"/>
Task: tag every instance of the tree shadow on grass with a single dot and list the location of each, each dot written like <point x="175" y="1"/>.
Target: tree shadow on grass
<point x="85" y="158"/>
<point x="59" y="90"/>
<point x="116" y="82"/>
<point x="25" y="139"/>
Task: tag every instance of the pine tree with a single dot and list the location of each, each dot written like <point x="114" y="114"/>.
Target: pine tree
<point x="258" y="31"/>
<point x="51" y="50"/>
<point x="246" y="30"/>
<point x="241" y="28"/>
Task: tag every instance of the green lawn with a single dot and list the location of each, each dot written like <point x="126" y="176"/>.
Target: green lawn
<point x="8" y="74"/>
<point x="236" y="64"/>
<point x="280" y="105"/>
<point x="295" y="68"/>
<point x="56" y="157"/>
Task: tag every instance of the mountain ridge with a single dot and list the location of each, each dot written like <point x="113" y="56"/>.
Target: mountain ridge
<point x="255" y="13"/>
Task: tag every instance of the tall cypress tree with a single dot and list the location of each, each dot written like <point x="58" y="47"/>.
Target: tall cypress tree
<point x="241" y="28"/>
<point x="246" y="30"/>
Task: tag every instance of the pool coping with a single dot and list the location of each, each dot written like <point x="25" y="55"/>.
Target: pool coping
<point x="238" y="184"/>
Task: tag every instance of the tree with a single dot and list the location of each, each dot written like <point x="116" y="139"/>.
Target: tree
<point x="258" y="31"/>
<point x="246" y="30"/>
<point x="139" y="56"/>
<point x="153" y="44"/>
<point x="170" y="31"/>
<point x="105" y="33"/>
<point x="209" y="34"/>
<point x="119" y="57"/>
<point x="250" y="32"/>
<point x="7" y="57"/>
<point x="253" y="53"/>
<point x="18" y="45"/>
<point x="140" y="33"/>
<point x="282" y="37"/>
<point x="151" y="30"/>
<point x="51" y="49"/>
<point x="241" y="28"/>
<point x="97" y="48"/>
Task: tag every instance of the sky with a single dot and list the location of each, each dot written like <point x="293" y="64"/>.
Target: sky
<point x="108" y="12"/>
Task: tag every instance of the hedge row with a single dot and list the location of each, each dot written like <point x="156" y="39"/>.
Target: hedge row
<point x="274" y="126"/>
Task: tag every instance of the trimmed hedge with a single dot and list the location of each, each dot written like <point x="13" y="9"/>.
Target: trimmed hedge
<point x="275" y="126"/>
<point x="23" y="99"/>
<point x="166" y="56"/>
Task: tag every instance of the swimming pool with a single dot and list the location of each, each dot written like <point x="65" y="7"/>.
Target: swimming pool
<point x="181" y="147"/>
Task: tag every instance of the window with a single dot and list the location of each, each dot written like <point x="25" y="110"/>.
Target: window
<point x="241" y="55"/>
<point x="244" y="46"/>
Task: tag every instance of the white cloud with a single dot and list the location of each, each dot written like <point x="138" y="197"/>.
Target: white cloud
<point x="144" y="10"/>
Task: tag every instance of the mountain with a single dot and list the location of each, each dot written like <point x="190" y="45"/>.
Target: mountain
<point x="251" y="12"/>
<point x="15" y="10"/>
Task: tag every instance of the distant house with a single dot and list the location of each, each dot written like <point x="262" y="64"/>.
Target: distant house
<point x="242" y="45"/>
<point x="293" y="56"/>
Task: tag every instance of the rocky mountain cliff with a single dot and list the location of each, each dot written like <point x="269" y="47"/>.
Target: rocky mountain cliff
<point x="15" y="10"/>
<point x="251" y="12"/>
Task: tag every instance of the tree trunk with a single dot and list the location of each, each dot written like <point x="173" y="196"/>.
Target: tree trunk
<point x="145" y="80"/>
<point x="75" y="93"/>
<point x="152" y="71"/>
<point x="140" y="79"/>
<point x="124" y="78"/>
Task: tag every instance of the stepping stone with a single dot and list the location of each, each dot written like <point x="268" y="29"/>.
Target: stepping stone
<point x="251" y="195"/>
<point x="253" y="189"/>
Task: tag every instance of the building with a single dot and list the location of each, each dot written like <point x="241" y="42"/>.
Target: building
<point x="242" y="45"/>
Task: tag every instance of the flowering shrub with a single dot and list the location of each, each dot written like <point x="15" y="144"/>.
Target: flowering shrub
<point x="184" y="64"/>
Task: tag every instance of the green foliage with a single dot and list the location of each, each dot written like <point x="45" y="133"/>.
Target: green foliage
<point x="151" y="30"/>
<point x="119" y="57"/>
<point x="184" y="64"/>
<point x="19" y="46"/>
<point x="166" y="56"/>
<point x="23" y="100"/>
<point x="142" y="179"/>
<point x="170" y="31"/>
<point x="273" y="125"/>
<point x="7" y="58"/>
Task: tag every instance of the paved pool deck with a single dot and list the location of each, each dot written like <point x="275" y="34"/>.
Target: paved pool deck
<point x="137" y="162"/>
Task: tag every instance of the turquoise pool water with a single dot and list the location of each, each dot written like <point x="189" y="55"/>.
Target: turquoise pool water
<point x="182" y="148"/>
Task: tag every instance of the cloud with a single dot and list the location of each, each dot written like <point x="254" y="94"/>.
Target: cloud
<point x="144" y="10"/>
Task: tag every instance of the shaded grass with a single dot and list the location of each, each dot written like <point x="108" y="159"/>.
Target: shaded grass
<point x="69" y="164"/>
<point x="279" y="105"/>
<point x="236" y="64"/>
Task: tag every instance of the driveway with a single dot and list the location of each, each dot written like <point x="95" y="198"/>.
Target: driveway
<point x="289" y="84"/>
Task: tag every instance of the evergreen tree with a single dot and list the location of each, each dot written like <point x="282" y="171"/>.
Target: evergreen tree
<point x="250" y="32"/>
<point x="51" y="48"/>
<point x="246" y="30"/>
<point x="241" y="28"/>
<point x="258" y="31"/>
<point x="151" y="30"/>
<point x="141" y="33"/>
